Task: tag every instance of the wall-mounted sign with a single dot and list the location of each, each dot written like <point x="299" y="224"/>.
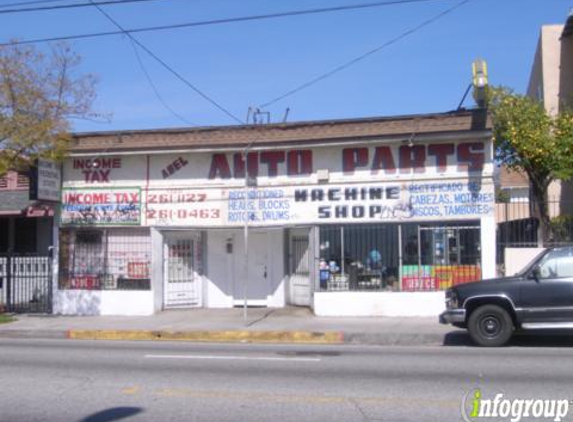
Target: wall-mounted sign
<point x="114" y="206"/>
<point x="183" y="207"/>
<point x="371" y="202"/>
<point x="97" y="170"/>
<point x="45" y="181"/>
<point x="393" y="201"/>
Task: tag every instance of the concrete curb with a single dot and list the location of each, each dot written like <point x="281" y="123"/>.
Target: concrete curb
<point x="34" y="334"/>
<point x="244" y="336"/>
<point x="293" y="337"/>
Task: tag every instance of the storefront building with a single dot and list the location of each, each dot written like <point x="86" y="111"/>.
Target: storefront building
<point x="350" y="217"/>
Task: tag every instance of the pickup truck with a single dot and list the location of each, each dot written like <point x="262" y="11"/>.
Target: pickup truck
<point x="538" y="297"/>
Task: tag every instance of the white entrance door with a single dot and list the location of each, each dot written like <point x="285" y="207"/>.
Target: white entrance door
<point x="257" y="278"/>
<point x="258" y="268"/>
<point x="299" y="274"/>
<point x="183" y="271"/>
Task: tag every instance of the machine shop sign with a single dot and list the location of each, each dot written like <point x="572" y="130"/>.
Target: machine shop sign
<point x="114" y="206"/>
<point x="455" y="199"/>
<point x="395" y="201"/>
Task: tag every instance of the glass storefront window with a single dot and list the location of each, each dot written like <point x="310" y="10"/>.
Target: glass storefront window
<point x="436" y="257"/>
<point x="368" y="257"/>
<point x="359" y="257"/>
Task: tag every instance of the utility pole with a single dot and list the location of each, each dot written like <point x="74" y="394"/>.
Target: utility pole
<point x="256" y="115"/>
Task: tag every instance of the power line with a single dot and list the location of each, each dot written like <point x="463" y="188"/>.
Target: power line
<point x="24" y="3"/>
<point x="166" y="66"/>
<point x="154" y="87"/>
<point x="363" y="56"/>
<point x="219" y="21"/>
<point x="68" y="6"/>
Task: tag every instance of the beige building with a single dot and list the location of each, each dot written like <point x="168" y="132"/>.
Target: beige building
<point x="551" y="79"/>
<point x="551" y="82"/>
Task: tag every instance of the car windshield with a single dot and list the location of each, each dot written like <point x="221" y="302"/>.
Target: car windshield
<point x="531" y="264"/>
<point x="545" y="257"/>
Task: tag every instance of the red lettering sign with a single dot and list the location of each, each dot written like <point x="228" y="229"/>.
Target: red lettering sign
<point x="297" y="162"/>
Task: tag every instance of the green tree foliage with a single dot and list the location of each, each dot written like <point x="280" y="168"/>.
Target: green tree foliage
<point x="527" y="138"/>
<point x="39" y="95"/>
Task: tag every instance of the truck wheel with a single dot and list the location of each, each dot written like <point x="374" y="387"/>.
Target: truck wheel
<point x="490" y="326"/>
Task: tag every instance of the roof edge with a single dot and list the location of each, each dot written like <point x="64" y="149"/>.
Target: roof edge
<point x="285" y="125"/>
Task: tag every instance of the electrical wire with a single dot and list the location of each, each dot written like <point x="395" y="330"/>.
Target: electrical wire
<point x="24" y="3"/>
<point x="154" y="87"/>
<point x="219" y="21"/>
<point x="365" y="55"/>
<point x="68" y="6"/>
<point x="166" y="66"/>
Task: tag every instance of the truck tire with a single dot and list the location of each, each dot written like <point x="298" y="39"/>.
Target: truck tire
<point x="490" y="326"/>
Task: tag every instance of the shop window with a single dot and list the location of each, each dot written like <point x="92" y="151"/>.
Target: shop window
<point x="300" y="255"/>
<point x="110" y="259"/>
<point x="368" y="257"/>
<point x="359" y="257"/>
<point x="437" y="257"/>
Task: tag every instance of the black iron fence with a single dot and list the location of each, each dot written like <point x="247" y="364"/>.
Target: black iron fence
<point x="25" y="283"/>
<point x="520" y="226"/>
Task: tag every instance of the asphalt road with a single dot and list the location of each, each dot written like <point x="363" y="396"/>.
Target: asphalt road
<point x="63" y="380"/>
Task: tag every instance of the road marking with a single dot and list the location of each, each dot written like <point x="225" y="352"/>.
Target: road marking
<point x="279" y="359"/>
<point x="394" y="401"/>
<point x="131" y="390"/>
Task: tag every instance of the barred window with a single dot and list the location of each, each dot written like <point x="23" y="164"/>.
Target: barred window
<point x="359" y="257"/>
<point x="368" y="257"/>
<point x="105" y="259"/>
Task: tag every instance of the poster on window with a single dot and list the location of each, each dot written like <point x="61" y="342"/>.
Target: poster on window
<point x="101" y="206"/>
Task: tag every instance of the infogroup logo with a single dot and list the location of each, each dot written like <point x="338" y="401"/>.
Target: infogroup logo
<point x="475" y="407"/>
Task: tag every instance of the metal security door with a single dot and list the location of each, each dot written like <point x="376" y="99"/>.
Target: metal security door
<point x="183" y="271"/>
<point x="299" y="268"/>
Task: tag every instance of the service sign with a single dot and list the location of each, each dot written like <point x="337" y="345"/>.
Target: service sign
<point x="366" y="183"/>
<point x="372" y="202"/>
<point x="113" y="206"/>
<point x="45" y="181"/>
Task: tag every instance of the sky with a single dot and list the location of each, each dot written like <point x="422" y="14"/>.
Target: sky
<point x="248" y="64"/>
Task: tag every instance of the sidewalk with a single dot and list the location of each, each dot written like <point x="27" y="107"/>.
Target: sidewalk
<point x="263" y="325"/>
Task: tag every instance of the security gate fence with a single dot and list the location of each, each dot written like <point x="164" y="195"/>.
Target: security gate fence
<point x="25" y="283"/>
<point x="518" y="227"/>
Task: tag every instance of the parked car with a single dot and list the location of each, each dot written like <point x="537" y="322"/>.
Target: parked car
<point x="539" y="297"/>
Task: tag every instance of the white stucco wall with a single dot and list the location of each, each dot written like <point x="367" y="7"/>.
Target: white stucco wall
<point x="517" y="258"/>
<point x="157" y="277"/>
<point x="102" y="302"/>
<point x="488" y="247"/>
<point x="391" y="304"/>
